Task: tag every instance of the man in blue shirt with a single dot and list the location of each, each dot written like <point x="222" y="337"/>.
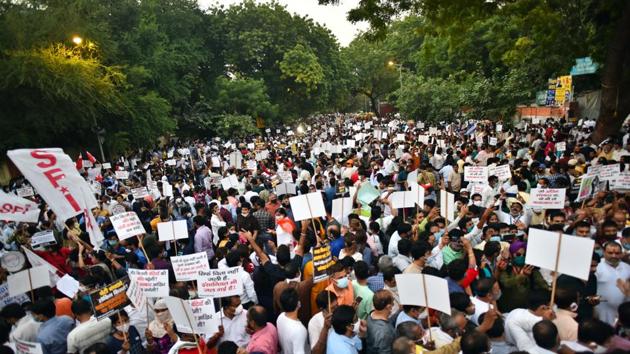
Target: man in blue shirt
<point x="343" y="339"/>
<point x="53" y="332"/>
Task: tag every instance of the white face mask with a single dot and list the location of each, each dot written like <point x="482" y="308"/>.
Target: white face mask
<point x="238" y="310"/>
<point x="123" y="328"/>
<point x="356" y="327"/>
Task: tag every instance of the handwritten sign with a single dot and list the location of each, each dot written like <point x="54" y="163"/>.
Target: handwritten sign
<point x="139" y="193"/>
<point x="6" y="298"/>
<point x="43" y="238"/>
<point x="503" y="172"/>
<point x="476" y="174"/>
<point x="188" y="267"/>
<point x="205" y="319"/>
<point x="136" y="296"/>
<point x="25" y="191"/>
<point x="24" y="347"/>
<point x="547" y="198"/>
<point x="621" y="182"/>
<point x="605" y="172"/>
<point x="492" y="141"/>
<point x="110" y="299"/>
<point x="152" y="282"/>
<point x="122" y="174"/>
<point x="322" y="260"/>
<point x="127" y="225"/>
<point x="219" y="282"/>
<point x="561" y="146"/>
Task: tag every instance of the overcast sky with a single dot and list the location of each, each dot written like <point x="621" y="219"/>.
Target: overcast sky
<point x="333" y="17"/>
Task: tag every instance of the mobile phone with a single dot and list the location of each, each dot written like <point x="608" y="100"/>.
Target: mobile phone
<point x="358" y="299"/>
<point x="508" y="237"/>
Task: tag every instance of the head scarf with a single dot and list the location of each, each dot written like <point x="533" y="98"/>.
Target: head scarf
<point x="156" y="326"/>
<point x="517" y="245"/>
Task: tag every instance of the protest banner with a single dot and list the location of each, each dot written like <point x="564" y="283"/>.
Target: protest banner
<point x="621" y="182"/>
<point x="587" y="187"/>
<point x="25" y="191"/>
<point x="492" y="141"/>
<point x="36" y="261"/>
<point x="136" y="295"/>
<point x="6" y="298"/>
<point x="13" y="208"/>
<point x="167" y="189"/>
<point x="307" y="206"/>
<point x="68" y="286"/>
<point x="205" y="319"/>
<point x="341" y="208"/>
<point x="54" y="175"/>
<point x="547" y="198"/>
<point x="106" y="165"/>
<point x="285" y="176"/>
<point x="286" y="188"/>
<point x="561" y="146"/>
<point x="322" y="260"/>
<point x="560" y="253"/>
<point x="152" y="282"/>
<point x="139" y="193"/>
<point x="43" y="238"/>
<point x="183" y="316"/>
<point x="367" y="193"/>
<point x="24" y="347"/>
<point x="28" y="280"/>
<point x="219" y="282"/>
<point x="121" y="174"/>
<point x="235" y="159"/>
<point x="499" y="128"/>
<point x="400" y="137"/>
<point x="447" y="205"/>
<point x="477" y="174"/>
<point x="351" y="143"/>
<point x="503" y="172"/>
<point x="127" y="225"/>
<point x="172" y="230"/>
<point x="187" y="267"/>
<point x="110" y="299"/>
<point x="605" y="172"/>
<point x="404" y="199"/>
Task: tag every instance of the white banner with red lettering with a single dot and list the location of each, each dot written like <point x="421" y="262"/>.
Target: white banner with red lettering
<point x="17" y="209"/>
<point x="54" y="175"/>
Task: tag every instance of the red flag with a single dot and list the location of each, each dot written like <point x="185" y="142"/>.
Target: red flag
<point x="79" y="163"/>
<point x="90" y="157"/>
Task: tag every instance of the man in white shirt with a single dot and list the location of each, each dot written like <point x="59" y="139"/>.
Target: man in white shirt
<point x="608" y="272"/>
<point x="488" y="292"/>
<point x="234" y="322"/>
<point x="402" y="260"/>
<point x="89" y="331"/>
<point x="292" y="335"/>
<point x="317" y="330"/>
<point x="520" y="322"/>
<point x="402" y="232"/>
<point x="25" y="325"/>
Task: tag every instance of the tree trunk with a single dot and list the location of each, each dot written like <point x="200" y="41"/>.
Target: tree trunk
<point x="613" y="111"/>
<point x="374" y="104"/>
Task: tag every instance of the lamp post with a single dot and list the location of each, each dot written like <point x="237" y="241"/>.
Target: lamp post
<point x="399" y="66"/>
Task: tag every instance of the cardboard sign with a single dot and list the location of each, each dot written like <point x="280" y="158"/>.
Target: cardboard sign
<point x="499" y="128"/>
<point x="43" y="238"/>
<point x="447" y="205"/>
<point x="136" y="296"/>
<point x="172" y="230"/>
<point x="405" y="199"/>
<point x="139" y="193"/>
<point x="152" y="282"/>
<point x="286" y="188"/>
<point x="341" y="208"/>
<point x="351" y="143"/>
<point x="170" y="162"/>
<point x="561" y="146"/>
<point x="235" y="159"/>
<point x="477" y="174"/>
<point x="219" y="282"/>
<point x="205" y="319"/>
<point x="6" y="298"/>
<point x="547" y="198"/>
<point x="122" y="174"/>
<point x="188" y="267"/>
<point x="25" y="192"/>
<point x="110" y="299"/>
<point x="604" y="172"/>
<point x="503" y="172"/>
<point x="587" y="187"/>
<point x="106" y="165"/>
<point x="400" y="137"/>
<point x="68" y="286"/>
<point x="127" y="225"/>
<point x="167" y="189"/>
<point x="367" y="193"/>
<point x="182" y="314"/>
<point x="431" y="292"/>
<point x="307" y="206"/>
<point x="322" y="260"/>
<point x="24" y="347"/>
<point x="229" y="182"/>
<point x="418" y="193"/>
<point x="27" y="280"/>
<point x="574" y="254"/>
<point x="285" y="176"/>
<point x="621" y="182"/>
<point x="492" y="141"/>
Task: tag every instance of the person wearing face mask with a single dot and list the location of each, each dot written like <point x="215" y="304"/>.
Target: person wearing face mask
<point x="519" y="322"/>
<point x="608" y="272"/>
<point x="341" y="285"/>
<point x="517" y="215"/>
<point x="159" y="334"/>
<point x="53" y="331"/>
<point x="586" y="288"/>
<point x="246" y="220"/>
<point x="487" y="292"/>
<point x="89" y="330"/>
<point x="380" y="332"/>
<point x="124" y="338"/>
<point x="234" y="322"/>
<point x="24" y="325"/>
<point x="345" y="336"/>
<point x="216" y="221"/>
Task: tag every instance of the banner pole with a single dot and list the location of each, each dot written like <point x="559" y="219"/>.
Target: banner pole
<point x="555" y="272"/>
<point x="426" y="301"/>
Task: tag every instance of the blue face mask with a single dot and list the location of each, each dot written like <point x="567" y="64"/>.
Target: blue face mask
<point x="439" y="234"/>
<point x="600" y="252"/>
<point x="495" y="238"/>
<point x="626" y="246"/>
<point x="342" y="283"/>
<point x="112" y="242"/>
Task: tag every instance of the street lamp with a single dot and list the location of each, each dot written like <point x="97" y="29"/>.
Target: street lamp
<point x="77" y="40"/>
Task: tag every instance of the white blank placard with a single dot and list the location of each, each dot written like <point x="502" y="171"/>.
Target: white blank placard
<point x="21" y="282"/>
<point x="307" y="206"/>
<point x="172" y="230"/>
<point x="447" y="205"/>
<point x="341" y="208"/>
<point x="406" y="199"/>
<point x="575" y="252"/>
<point x="411" y="290"/>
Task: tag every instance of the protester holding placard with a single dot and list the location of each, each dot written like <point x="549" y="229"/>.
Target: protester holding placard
<point x="159" y="334"/>
<point x="124" y="337"/>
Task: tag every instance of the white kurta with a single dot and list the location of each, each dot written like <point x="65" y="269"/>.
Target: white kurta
<point x="607" y="277"/>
